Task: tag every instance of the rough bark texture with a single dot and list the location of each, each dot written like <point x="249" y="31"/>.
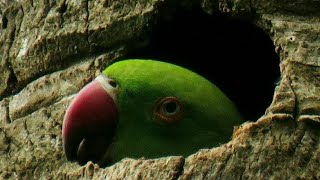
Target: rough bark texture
<point x="50" y="49"/>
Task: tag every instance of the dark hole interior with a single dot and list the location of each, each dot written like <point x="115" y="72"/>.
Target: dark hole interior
<point x="4" y="22"/>
<point x="234" y="54"/>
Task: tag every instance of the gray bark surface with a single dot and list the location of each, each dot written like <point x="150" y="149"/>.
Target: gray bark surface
<point x="50" y="49"/>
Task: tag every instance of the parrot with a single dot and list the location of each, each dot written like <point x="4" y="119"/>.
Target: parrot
<point x="146" y="108"/>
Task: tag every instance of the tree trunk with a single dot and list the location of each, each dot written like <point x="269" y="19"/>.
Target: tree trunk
<point x="50" y="49"/>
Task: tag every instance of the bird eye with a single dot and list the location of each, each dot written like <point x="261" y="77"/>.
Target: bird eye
<point x="170" y="107"/>
<point x="168" y="110"/>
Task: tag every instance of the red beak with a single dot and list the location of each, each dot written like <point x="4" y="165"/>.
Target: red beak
<point x="89" y="124"/>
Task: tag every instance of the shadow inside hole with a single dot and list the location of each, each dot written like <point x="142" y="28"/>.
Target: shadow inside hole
<point x="235" y="55"/>
<point x="4" y="22"/>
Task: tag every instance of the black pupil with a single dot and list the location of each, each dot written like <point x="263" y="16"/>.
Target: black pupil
<point x="113" y="83"/>
<point x="171" y="107"/>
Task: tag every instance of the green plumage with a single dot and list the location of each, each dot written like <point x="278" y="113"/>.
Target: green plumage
<point x="207" y="120"/>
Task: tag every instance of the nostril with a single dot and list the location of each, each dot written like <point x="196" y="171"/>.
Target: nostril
<point x="113" y="83"/>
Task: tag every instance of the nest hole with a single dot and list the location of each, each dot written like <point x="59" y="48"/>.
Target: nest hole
<point x="234" y="54"/>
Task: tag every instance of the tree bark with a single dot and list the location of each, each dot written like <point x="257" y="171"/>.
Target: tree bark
<point x="50" y="49"/>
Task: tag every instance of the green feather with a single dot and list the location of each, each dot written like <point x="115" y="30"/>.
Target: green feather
<point x="208" y="115"/>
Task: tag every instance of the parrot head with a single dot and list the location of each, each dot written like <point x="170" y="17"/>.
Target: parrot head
<point x="146" y="108"/>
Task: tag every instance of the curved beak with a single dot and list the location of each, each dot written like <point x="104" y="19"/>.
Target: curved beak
<point x="90" y="122"/>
